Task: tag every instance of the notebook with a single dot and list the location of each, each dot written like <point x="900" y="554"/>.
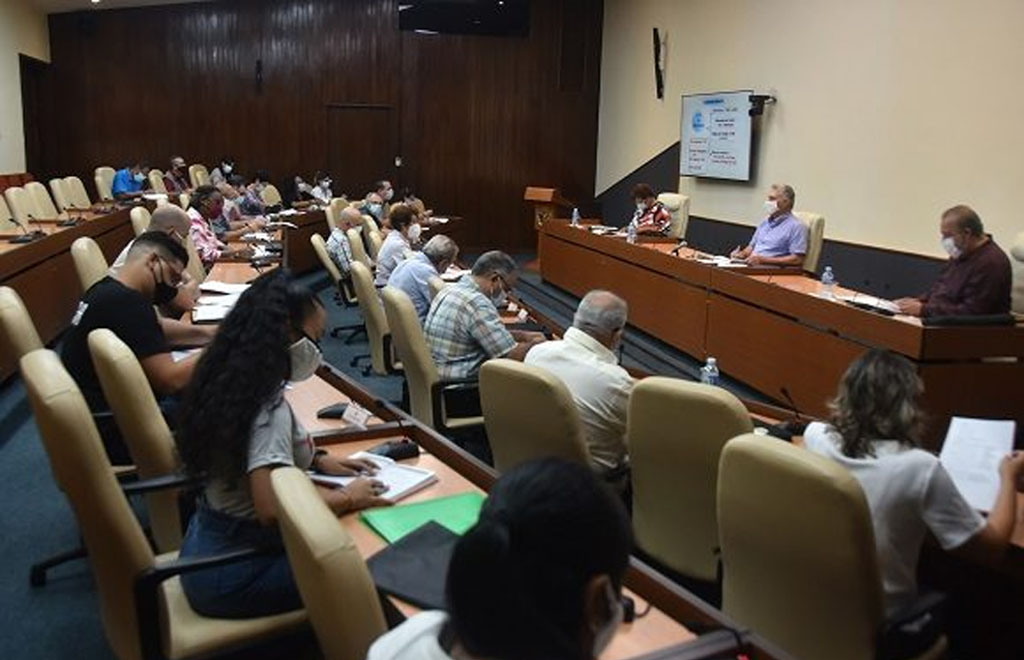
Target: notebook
<point x="401" y="480"/>
<point x="456" y="512"/>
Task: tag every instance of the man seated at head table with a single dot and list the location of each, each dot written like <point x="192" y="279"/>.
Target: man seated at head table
<point x="586" y="362"/>
<point x="174" y="222"/>
<point x="463" y="328"/>
<point x="651" y="217"/>
<point x="414" y="274"/>
<point x="781" y="239"/>
<point x="124" y="304"/>
<point x="176" y="178"/>
<point x="207" y="204"/>
<point x="976" y="280"/>
<point x="130" y="181"/>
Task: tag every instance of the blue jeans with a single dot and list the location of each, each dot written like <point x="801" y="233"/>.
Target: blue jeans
<point x="252" y="587"/>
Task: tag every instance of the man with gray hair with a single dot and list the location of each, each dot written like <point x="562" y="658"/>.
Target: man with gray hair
<point x="781" y="238"/>
<point x="463" y="327"/>
<point x="414" y="274"/>
<point x="586" y="362"/>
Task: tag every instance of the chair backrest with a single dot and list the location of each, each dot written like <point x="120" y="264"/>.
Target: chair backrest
<point x="675" y="473"/>
<point x="140" y="216"/>
<point x="103" y="176"/>
<point x="369" y="225"/>
<point x="678" y="207"/>
<point x="373" y="315"/>
<point x="798" y="546"/>
<point x="18" y="334"/>
<point x="118" y="550"/>
<point x="815" y="238"/>
<point x="58" y="188"/>
<point x="198" y="175"/>
<point x="90" y="264"/>
<point x="156" y="181"/>
<point x="195" y="267"/>
<point x="77" y="194"/>
<point x="21" y="205"/>
<point x="333" y="211"/>
<point x="45" y="208"/>
<point x="6" y="220"/>
<point x="374" y="243"/>
<point x="336" y="587"/>
<point x="355" y="241"/>
<point x="143" y="428"/>
<point x="411" y="346"/>
<point x="341" y="282"/>
<point x="551" y="429"/>
<point x="271" y="195"/>
<point x="1017" y="264"/>
<point x="436" y="285"/>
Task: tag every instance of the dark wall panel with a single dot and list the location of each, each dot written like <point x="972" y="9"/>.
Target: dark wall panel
<point x="475" y="119"/>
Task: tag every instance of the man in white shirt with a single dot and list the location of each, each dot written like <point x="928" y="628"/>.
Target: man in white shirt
<point x="586" y="362"/>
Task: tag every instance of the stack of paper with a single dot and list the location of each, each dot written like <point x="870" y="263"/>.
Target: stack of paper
<point x="971" y="454"/>
<point x="213" y="286"/>
<point x="869" y="301"/>
<point x="401" y="480"/>
<point x="722" y="261"/>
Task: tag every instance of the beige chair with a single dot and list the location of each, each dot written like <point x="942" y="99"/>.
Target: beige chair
<point x="426" y="389"/>
<point x="143" y="428"/>
<point x="336" y="587"/>
<point x="45" y="208"/>
<point x="184" y="200"/>
<point x="355" y="241"/>
<point x="369" y="226"/>
<point x="815" y="238"/>
<point x="90" y="264"/>
<point x="156" y="181"/>
<point x="60" y="194"/>
<point x="103" y="176"/>
<point x="333" y="211"/>
<point x="271" y="195"/>
<point x="343" y="284"/>
<point x="198" y="175"/>
<point x="77" y="194"/>
<point x="374" y="243"/>
<point x="140" y="217"/>
<point x="437" y="285"/>
<point x="6" y="219"/>
<point x="675" y="469"/>
<point x="1017" y="263"/>
<point x="552" y="427"/>
<point x="798" y="551"/>
<point x="142" y="604"/>
<point x="18" y="334"/>
<point x="678" y="207"/>
<point x="382" y="360"/>
<point x="195" y="267"/>
<point x="22" y="207"/>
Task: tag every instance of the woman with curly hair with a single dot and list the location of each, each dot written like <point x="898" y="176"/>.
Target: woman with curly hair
<point x="236" y="426"/>
<point x="874" y="431"/>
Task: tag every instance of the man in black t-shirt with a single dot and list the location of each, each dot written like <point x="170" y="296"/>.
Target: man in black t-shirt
<point x="124" y="304"/>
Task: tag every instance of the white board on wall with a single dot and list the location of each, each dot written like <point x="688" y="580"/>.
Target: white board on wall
<point x="715" y="132"/>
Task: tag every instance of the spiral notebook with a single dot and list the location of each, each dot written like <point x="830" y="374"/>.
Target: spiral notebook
<point x="402" y="480"/>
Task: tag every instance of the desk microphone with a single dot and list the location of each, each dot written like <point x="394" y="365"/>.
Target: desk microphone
<point x="796" y="426"/>
<point x="28" y="236"/>
<point x="677" y="248"/>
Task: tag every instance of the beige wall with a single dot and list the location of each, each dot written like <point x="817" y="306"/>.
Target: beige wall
<point x="23" y="29"/>
<point x="889" y="110"/>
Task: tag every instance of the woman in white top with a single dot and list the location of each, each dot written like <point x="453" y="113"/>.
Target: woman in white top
<point x="321" y="192"/>
<point x="539" y="576"/>
<point x="876" y="422"/>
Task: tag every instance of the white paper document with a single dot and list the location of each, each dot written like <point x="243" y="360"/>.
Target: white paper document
<point x="213" y="286"/>
<point x="209" y="313"/>
<point x="154" y="197"/>
<point x="870" y="301"/>
<point x="723" y="261"/>
<point x="971" y="454"/>
<point x="401" y="480"/>
<point x="178" y="356"/>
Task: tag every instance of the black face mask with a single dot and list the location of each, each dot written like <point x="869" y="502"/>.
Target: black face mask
<point x="163" y="292"/>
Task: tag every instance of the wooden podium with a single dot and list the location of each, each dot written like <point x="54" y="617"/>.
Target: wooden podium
<point x="547" y="204"/>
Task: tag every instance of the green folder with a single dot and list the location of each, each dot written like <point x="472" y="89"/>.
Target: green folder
<point x="456" y="512"/>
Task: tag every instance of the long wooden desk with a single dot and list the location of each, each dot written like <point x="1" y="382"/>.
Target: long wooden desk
<point x="43" y="273"/>
<point x="771" y="331"/>
<point x="298" y="251"/>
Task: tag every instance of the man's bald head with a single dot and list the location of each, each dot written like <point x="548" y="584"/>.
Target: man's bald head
<point x="602" y="315"/>
<point x="350" y="217"/>
<point x="170" y="220"/>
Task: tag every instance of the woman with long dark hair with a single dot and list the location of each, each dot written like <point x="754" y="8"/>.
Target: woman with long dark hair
<point x="539" y="576"/>
<point x="236" y="426"/>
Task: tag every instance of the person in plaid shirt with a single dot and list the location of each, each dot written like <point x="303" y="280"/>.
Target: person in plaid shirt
<point x="651" y="216"/>
<point x="463" y="328"/>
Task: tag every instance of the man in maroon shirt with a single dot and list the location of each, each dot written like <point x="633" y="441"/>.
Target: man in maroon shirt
<point x="977" y="277"/>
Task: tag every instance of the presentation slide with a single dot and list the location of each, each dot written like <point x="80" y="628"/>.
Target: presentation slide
<point x="715" y="135"/>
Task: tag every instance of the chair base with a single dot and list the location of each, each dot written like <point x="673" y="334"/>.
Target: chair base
<point x="355" y="330"/>
<point x="37" y="574"/>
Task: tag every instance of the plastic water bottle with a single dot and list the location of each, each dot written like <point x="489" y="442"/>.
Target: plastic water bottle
<point x="631" y="234"/>
<point x="575" y="222"/>
<point x="828" y="283"/>
<point x="709" y="372"/>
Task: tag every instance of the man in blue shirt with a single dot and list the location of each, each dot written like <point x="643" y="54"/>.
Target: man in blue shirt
<point x="781" y="239"/>
<point x="413" y="275"/>
<point x="130" y="181"/>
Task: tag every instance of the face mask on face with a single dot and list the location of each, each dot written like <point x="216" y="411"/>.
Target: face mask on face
<point x="770" y="207"/>
<point x="603" y="636"/>
<point x="640" y="208"/>
<point x="374" y="208"/>
<point x="163" y="292"/>
<point x="226" y="168"/>
<point x="305" y="359"/>
<point x="950" y="246"/>
<point x="414" y="232"/>
<point x="140" y="177"/>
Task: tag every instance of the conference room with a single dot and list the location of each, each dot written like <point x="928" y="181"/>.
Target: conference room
<point x="511" y="329"/>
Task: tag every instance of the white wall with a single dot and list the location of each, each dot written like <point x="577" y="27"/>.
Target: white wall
<point x="889" y="110"/>
<point x="23" y="29"/>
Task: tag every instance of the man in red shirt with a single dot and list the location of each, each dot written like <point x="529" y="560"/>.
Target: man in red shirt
<point x="651" y="216"/>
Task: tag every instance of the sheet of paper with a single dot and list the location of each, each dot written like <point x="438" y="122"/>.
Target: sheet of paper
<point x="219" y="299"/>
<point x="971" y="454"/>
<point x="178" y="356"/>
<point x="401" y="480"/>
<point x="209" y="313"/>
<point x="213" y="286"/>
<point x="442" y="221"/>
<point x="154" y="197"/>
<point x="871" y="301"/>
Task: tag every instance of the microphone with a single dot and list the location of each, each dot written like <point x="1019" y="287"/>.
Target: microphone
<point x="680" y="246"/>
<point x="796" y="426"/>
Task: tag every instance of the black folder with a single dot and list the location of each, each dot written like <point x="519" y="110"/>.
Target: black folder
<point x="415" y="568"/>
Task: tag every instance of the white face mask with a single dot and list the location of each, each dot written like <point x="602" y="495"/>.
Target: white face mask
<point x="414" y="232"/>
<point x="604" y="636"/>
<point x="226" y="169"/>
<point x="640" y="208"/>
<point x="305" y="359"/>
<point x="949" y="245"/>
<point x="770" y="207"/>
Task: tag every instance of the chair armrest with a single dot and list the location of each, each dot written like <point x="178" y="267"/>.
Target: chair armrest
<point x="440" y="388"/>
<point x="161" y="483"/>
<point x="147" y="584"/>
<point x="914" y="629"/>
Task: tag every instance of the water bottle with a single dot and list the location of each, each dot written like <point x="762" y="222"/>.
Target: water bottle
<point x="631" y="234"/>
<point x="709" y="372"/>
<point x="828" y="283"/>
<point x="575" y="217"/>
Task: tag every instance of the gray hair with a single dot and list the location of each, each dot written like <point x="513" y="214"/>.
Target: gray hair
<point x="167" y="218"/>
<point x="440" y="248"/>
<point x="787" y="191"/>
<point x="966" y="219"/>
<point x="494" y="261"/>
<point x="600" y="312"/>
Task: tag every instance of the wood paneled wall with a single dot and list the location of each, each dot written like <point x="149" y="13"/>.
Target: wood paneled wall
<point x="475" y="119"/>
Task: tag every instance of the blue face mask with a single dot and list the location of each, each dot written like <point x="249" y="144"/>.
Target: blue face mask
<point x="140" y="177"/>
<point x="374" y="209"/>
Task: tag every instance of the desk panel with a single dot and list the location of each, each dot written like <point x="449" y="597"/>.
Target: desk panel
<point x="298" y="251"/>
